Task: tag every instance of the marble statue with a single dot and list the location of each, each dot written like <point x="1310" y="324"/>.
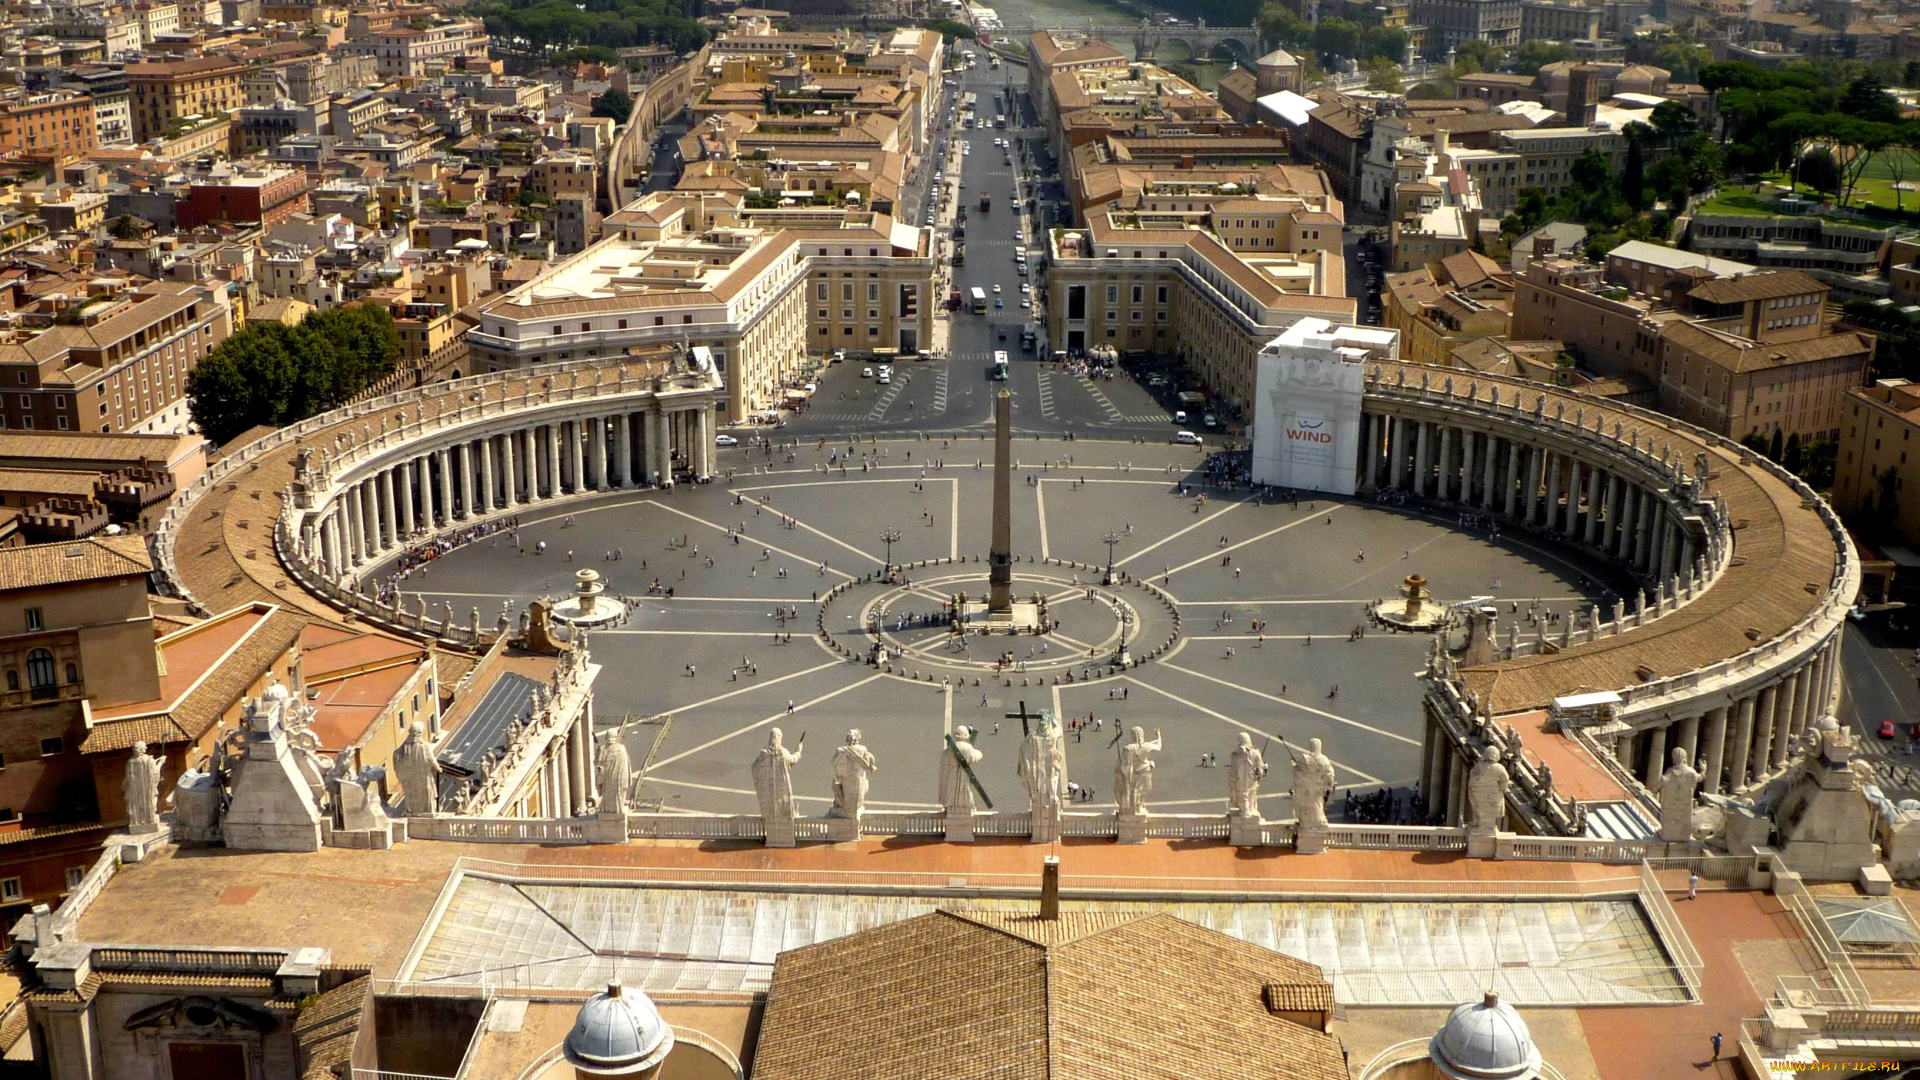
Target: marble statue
<point x="446" y="619"/>
<point x="773" y="778"/>
<point x="956" y="792"/>
<point x="418" y="771"/>
<point x="1487" y="785"/>
<point x="616" y="775"/>
<point x="852" y="763"/>
<point x="1043" y="767"/>
<point x="141" y="787"/>
<point x="1676" y="798"/>
<point x="1312" y="783"/>
<point x="1133" y="773"/>
<point x="357" y="805"/>
<point x="1244" y="770"/>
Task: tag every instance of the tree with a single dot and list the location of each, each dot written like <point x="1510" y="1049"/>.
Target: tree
<point x="1683" y="59"/>
<point x="1535" y="54"/>
<point x="1818" y="170"/>
<point x="1774" y="445"/>
<point x="125" y="228"/>
<point x="1792" y="457"/>
<point x="1912" y="73"/>
<point x="1281" y="28"/>
<point x="1592" y="171"/>
<point x="1427" y="91"/>
<point x="1633" y="178"/>
<point x="614" y="103"/>
<point x="1867" y="98"/>
<point x="1383" y="75"/>
<point x="274" y="374"/>
<point x="950" y="29"/>
<point x="1473" y="55"/>
<point x="1673" y="122"/>
<point x="1385" y="42"/>
<point x="1336" y="38"/>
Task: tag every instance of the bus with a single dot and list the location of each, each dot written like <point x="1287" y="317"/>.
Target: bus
<point x="979" y="300"/>
<point x="1000" y="365"/>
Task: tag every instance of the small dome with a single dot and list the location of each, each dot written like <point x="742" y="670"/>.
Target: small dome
<point x="1486" y="1040"/>
<point x="618" y="1033"/>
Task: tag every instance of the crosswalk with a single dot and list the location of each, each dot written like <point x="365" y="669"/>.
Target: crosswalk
<point x="879" y="409"/>
<point x="1100" y="398"/>
<point x="940" y="392"/>
<point x="844" y="416"/>
<point x="1046" y="394"/>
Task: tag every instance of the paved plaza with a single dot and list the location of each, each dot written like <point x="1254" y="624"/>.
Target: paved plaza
<point x="717" y="659"/>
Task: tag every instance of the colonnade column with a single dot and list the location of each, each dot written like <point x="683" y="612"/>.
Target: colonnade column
<point x="1456" y="786"/>
<point x="1397" y="446"/>
<point x="1762" y="731"/>
<point x="1422" y="455"/>
<point x="404" y="497"/>
<point x="1783" y="719"/>
<point x="622" y="450"/>
<point x="1488" y="468"/>
<point x="1593" y="505"/>
<point x="485" y="502"/>
<point x="1370" y="454"/>
<point x="1610" y="528"/>
<point x="1444" y="486"/>
<point x="1716" y="748"/>
<point x="1510" y="476"/>
<point x="1742" y="745"/>
<point x="1689" y="736"/>
<point x="600" y="482"/>
<point x="383" y="526"/>
<point x="1642" y="527"/>
<point x="1656" y="752"/>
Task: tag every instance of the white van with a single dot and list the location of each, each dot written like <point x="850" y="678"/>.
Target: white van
<point x="1180" y="416"/>
<point x="1187" y="437"/>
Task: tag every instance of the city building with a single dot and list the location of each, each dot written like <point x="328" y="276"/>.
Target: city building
<point x="1452" y="22"/>
<point x="693" y="269"/>
<point x="53" y="126"/>
<point x="1879" y="446"/>
<point x="263" y="195"/>
<point x="1446" y="304"/>
<point x="415" y="52"/>
<point x="168" y="93"/>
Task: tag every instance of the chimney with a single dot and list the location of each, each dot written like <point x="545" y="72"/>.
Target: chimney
<point x="1050" y="888"/>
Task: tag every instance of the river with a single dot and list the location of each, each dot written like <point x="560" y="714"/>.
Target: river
<point x="1069" y="13"/>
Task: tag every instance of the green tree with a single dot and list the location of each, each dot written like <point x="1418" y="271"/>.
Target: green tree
<point x="125" y="228"/>
<point x="276" y="375"/>
<point x="1792" y="458"/>
<point x="1535" y="54"/>
<point x="1633" y="178"/>
<point x="1281" y="28"/>
<point x="1592" y="171"/>
<point x="1473" y="56"/>
<point x="951" y="29"/>
<point x="614" y="103"/>
<point x="1774" y="447"/>
<point x="1383" y="75"/>
<point x="1673" y="122"/>
<point x="592" y="54"/>
<point x="1818" y="170"/>
<point x="1912" y="73"/>
<point x="1867" y="98"/>
<point x="1385" y="42"/>
<point x="1427" y="91"/>
<point x="1336" y="38"/>
<point x="1683" y="59"/>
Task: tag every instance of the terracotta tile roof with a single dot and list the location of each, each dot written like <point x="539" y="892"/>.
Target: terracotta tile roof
<point x="1299" y="997"/>
<point x="1739" y="290"/>
<point x="74" y="561"/>
<point x="328" y="1026"/>
<point x="1087" y="997"/>
<point x="209" y="696"/>
<point x="1737" y="354"/>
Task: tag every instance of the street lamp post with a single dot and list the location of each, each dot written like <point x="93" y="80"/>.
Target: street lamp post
<point x="887" y="537"/>
<point x="1110" y="539"/>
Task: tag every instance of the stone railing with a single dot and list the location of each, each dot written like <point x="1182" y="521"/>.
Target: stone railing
<point x="1573" y="849"/>
<point x="406" y="428"/>
<point x="47" y="928"/>
<point x="687" y="827"/>
<point x="200" y="961"/>
<point x="1503" y="402"/>
<point x="1397" y="837"/>
<point x="1548" y="810"/>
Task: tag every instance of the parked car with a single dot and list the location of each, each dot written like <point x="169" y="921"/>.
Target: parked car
<point x="866" y="373"/>
<point x="1886" y="729"/>
<point x="725" y="440"/>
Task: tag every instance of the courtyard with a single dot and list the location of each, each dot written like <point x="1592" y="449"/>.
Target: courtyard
<point x="1252" y="605"/>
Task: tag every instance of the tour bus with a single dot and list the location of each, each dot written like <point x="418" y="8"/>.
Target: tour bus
<point x="979" y="300"/>
<point x="1000" y="365"/>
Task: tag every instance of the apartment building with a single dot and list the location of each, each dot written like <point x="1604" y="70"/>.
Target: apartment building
<point x="265" y="195"/>
<point x="1791" y="241"/>
<point x="1450" y="23"/>
<point x="1446" y="304"/>
<point x="1879" y="447"/>
<point x="117" y="362"/>
<point x="415" y="51"/>
<point x="1050" y="52"/>
<point x="1546" y="20"/>
<point x="165" y="93"/>
<point x="1211" y="285"/>
<point x="694" y="269"/>
<point x="1736" y="355"/>
<point x="53" y="126"/>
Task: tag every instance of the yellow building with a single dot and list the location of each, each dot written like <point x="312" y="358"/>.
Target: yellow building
<point x="1879" y="449"/>
<point x="166" y="92"/>
<point x="1446" y="304"/>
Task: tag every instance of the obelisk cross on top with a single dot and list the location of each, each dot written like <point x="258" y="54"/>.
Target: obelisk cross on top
<point x="1000" y="556"/>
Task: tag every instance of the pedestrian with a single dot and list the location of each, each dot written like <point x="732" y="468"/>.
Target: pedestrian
<point x="789" y="706"/>
<point x="1716" y="1046"/>
<point x="1693" y="885"/>
<point x="983" y="701"/>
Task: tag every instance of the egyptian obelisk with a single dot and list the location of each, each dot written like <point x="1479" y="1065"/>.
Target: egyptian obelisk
<point x="1000" y="557"/>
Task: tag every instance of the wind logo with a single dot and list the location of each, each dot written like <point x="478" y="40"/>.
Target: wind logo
<point x="1303" y="430"/>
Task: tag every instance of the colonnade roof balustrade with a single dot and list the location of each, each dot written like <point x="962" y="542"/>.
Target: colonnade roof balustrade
<point x="1792" y="573"/>
<point x="216" y="545"/>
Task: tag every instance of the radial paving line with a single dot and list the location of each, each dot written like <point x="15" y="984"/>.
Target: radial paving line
<point x="1364" y="777"/>
<point x="1291" y="703"/>
<point x="711" y="743"/>
<point x="1208" y="519"/>
<point x="689" y="633"/>
<point x="1040" y="501"/>
<point x="953" y="522"/>
<point x="1253" y="539"/>
<point x="750" y="689"/>
<point x="722" y="528"/>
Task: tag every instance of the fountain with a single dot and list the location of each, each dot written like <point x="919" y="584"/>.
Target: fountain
<point x="1414" y="609"/>
<point x="584" y="607"/>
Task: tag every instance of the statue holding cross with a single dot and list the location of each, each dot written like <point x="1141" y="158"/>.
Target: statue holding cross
<point x="958" y="784"/>
<point x="1043" y="762"/>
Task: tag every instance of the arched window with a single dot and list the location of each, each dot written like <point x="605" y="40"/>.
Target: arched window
<point x="40" y="673"/>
